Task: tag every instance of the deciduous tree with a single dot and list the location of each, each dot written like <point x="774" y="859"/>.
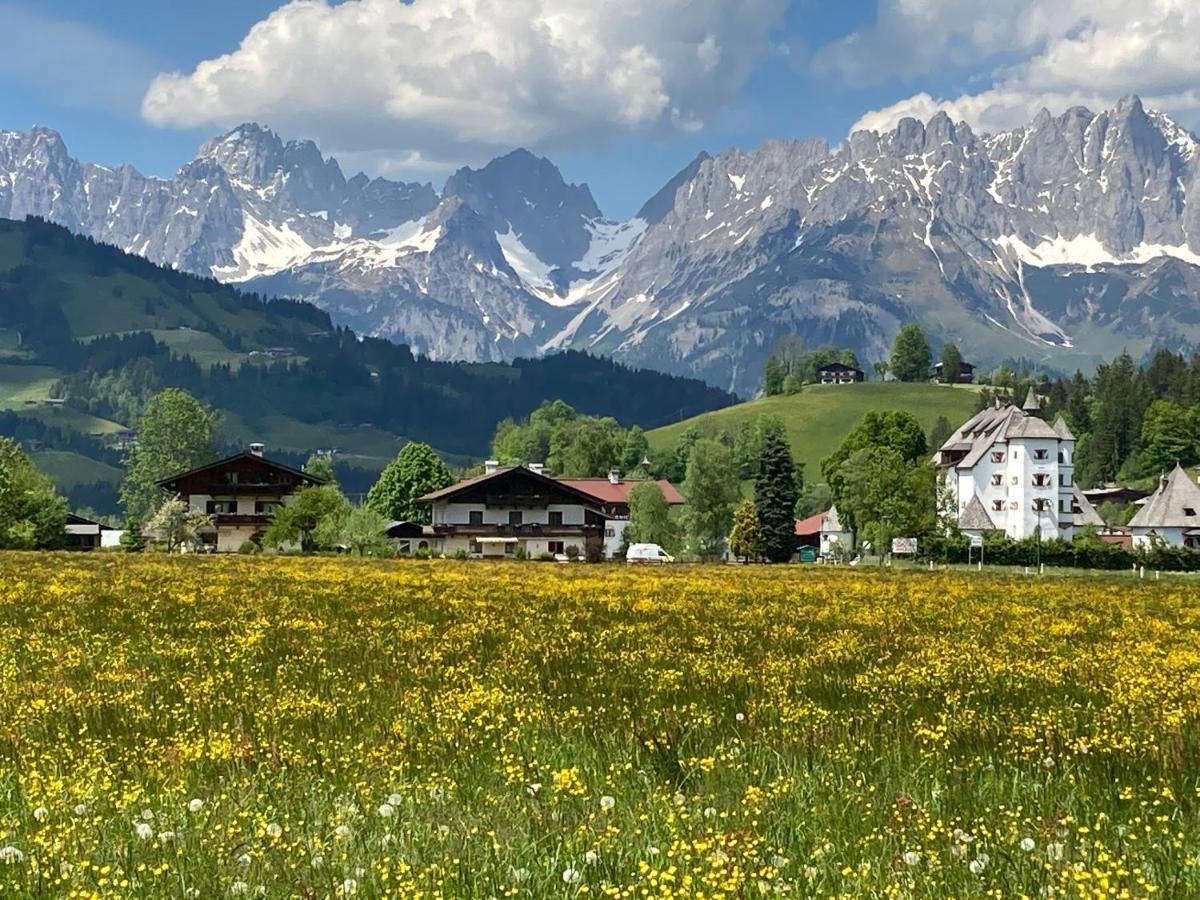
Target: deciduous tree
<point x="32" y="515"/>
<point x="177" y="525"/>
<point x="910" y="354"/>
<point x="952" y="364"/>
<point x="650" y="518"/>
<point x="299" y="523"/>
<point x="746" y="539"/>
<point x="416" y="471"/>
<point x="175" y="434"/>
<point x="712" y="491"/>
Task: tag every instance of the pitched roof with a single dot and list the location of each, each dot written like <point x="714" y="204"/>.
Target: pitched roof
<point x="1087" y="514"/>
<point x="831" y="521"/>
<point x="1031" y="427"/>
<point x="994" y="425"/>
<point x="606" y="492"/>
<point x="975" y="518"/>
<point x="809" y="526"/>
<point x="1032" y="402"/>
<point x="245" y="454"/>
<point x="1167" y="507"/>
<point x="447" y="492"/>
<point x="837" y="367"/>
<point x="1061" y="429"/>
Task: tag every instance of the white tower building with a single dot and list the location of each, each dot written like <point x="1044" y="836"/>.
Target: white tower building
<point x="1007" y="470"/>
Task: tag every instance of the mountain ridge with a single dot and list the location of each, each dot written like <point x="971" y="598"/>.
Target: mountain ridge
<point x="1060" y="240"/>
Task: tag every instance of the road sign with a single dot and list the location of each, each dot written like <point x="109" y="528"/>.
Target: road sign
<point x="904" y="546"/>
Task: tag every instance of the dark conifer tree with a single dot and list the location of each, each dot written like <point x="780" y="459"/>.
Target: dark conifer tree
<point x="776" y="490"/>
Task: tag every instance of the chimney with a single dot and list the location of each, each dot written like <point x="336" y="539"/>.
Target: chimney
<point x="491" y="466"/>
<point x="256" y="449"/>
<point x="614" y="476"/>
<point x="539" y="468"/>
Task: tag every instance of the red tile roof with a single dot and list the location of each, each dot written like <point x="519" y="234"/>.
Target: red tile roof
<point x="810" y="526"/>
<point x="607" y="492"/>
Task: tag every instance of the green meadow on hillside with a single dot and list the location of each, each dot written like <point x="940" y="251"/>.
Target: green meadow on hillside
<point x="820" y="416"/>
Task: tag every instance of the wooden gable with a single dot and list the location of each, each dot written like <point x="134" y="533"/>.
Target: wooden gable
<point x="246" y="473"/>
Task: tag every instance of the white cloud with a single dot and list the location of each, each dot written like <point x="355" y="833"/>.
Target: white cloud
<point x="1067" y="52"/>
<point x="457" y="79"/>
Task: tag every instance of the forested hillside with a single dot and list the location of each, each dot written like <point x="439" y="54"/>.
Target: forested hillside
<point x="102" y="331"/>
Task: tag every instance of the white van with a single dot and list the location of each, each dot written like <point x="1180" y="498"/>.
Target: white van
<point x="647" y="553"/>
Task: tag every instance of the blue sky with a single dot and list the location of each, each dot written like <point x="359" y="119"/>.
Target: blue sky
<point x="621" y="99"/>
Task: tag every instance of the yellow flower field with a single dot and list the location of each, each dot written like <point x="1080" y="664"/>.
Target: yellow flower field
<point x="320" y="728"/>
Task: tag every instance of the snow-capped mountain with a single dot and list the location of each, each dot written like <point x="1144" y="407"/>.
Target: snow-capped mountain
<point x="1065" y="239"/>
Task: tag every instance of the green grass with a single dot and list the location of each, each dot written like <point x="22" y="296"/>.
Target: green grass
<point x="68" y="469"/>
<point x="820" y="417"/>
<point x="19" y="383"/>
<point x="281" y="727"/>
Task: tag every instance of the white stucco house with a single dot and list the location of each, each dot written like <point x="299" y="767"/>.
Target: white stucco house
<point x="1006" y="470"/>
<point x="511" y="507"/>
<point x="1171" y="515"/>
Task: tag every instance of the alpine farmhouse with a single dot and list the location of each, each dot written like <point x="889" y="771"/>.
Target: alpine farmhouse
<point x="238" y="494"/>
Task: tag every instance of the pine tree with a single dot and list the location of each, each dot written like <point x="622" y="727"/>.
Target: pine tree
<point x="775" y="494"/>
<point x="745" y="540"/>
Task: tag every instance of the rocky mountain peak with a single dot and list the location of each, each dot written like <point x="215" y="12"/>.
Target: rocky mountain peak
<point x="1073" y="229"/>
<point x="526" y="195"/>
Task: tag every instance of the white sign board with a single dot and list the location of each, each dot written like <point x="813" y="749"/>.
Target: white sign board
<point x="904" y="546"/>
<point x="976" y="540"/>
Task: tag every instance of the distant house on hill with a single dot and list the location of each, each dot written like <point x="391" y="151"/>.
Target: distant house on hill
<point x="1171" y="515"/>
<point x="966" y="375"/>
<point x="522" y="507"/>
<point x="840" y="373"/>
<point x="239" y="493"/>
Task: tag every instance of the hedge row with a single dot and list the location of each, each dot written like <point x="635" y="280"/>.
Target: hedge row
<point x="1083" y="553"/>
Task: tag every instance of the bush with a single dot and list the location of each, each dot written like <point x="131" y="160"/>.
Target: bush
<point x="546" y="557"/>
<point x="519" y="552"/>
<point x="1085" y="552"/>
<point x="572" y="552"/>
<point x="249" y="548"/>
<point x="461" y="553"/>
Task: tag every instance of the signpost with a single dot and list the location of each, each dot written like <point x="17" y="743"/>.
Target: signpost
<point x="902" y="546"/>
<point x="976" y="541"/>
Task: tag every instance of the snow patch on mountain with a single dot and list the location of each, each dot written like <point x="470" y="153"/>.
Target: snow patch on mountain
<point x="264" y="249"/>
<point x="534" y="273"/>
<point x="1089" y="252"/>
<point x="611" y="243"/>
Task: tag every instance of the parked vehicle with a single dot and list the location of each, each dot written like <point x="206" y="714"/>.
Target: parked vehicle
<point x="647" y="553"/>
